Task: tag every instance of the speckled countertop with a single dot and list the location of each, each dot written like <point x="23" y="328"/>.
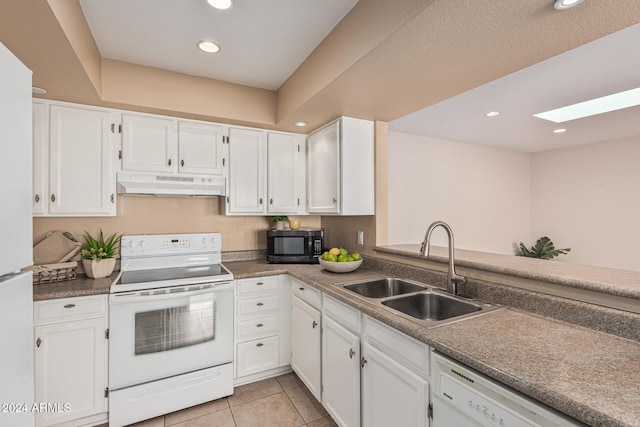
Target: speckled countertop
<point x="624" y="283"/>
<point x="591" y="376"/>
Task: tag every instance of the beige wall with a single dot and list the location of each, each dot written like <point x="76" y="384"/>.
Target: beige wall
<point x="150" y="214"/>
<point x="587" y="198"/>
<point x="483" y="193"/>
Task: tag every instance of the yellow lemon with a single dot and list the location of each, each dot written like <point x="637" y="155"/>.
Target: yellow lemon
<point x="334" y="251"/>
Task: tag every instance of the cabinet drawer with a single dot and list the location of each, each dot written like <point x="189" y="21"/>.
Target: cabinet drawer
<point x="257" y="328"/>
<point x="258" y="307"/>
<point x="66" y="309"/>
<point x="345" y="315"/>
<point x="257" y="356"/>
<point x="400" y="347"/>
<point x="257" y="286"/>
<point x="306" y="293"/>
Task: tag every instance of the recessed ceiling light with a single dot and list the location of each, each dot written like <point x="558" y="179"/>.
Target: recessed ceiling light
<point x="492" y="113"/>
<point x="559" y="130"/>
<point x="300" y="123"/>
<point x="220" y="4"/>
<point x="605" y="104"/>
<point x="565" y="4"/>
<point x="36" y="89"/>
<point x="208" y="47"/>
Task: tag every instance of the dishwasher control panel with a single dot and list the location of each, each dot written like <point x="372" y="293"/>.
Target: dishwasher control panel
<point x="464" y="396"/>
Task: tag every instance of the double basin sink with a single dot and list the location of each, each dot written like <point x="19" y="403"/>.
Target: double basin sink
<point x="418" y="302"/>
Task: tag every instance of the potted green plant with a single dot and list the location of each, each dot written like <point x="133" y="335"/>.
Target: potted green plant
<point x="98" y="255"/>
<point x="543" y="249"/>
<point x="280" y="221"/>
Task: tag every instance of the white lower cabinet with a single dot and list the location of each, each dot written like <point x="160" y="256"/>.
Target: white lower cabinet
<point x="395" y="373"/>
<point x="71" y="360"/>
<point x="340" y="372"/>
<point x="261" y="327"/>
<point x="305" y="342"/>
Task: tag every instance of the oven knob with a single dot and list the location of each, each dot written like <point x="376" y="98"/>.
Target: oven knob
<point x="131" y="243"/>
<point x="204" y="241"/>
<point x="213" y="241"/>
<point x="141" y="243"/>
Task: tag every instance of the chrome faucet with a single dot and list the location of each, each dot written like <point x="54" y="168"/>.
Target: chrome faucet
<point x="452" y="278"/>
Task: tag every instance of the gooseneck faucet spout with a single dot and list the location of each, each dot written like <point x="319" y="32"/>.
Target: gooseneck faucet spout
<point x="452" y="278"/>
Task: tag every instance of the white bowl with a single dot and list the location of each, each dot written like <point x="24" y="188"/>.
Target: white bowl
<point x="340" y="267"/>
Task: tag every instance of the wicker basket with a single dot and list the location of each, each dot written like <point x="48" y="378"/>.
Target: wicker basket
<point x="50" y="273"/>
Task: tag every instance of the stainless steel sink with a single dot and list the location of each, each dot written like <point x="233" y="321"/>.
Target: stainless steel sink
<point x="417" y="302"/>
<point x="432" y="306"/>
<point x="382" y="288"/>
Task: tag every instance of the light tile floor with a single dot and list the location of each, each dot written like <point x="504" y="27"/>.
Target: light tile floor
<point x="276" y="402"/>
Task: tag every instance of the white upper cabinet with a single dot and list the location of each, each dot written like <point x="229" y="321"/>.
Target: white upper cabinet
<point x="74" y="163"/>
<point x="164" y="145"/>
<point x="200" y="148"/>
<point x="285" y="173"/>
<point x="247" y="153"/>
<point x="340" y="168"/>
<point x="149" y="144"/>
<point x="266" y="172"/>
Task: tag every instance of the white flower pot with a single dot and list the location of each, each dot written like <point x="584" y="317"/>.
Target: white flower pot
<point x="98" y="269"/>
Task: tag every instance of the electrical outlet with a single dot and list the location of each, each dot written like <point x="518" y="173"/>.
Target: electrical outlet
<point x="360" y="237"/>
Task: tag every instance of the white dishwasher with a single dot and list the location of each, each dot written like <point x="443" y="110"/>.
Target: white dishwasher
<point x="463" y="397"/>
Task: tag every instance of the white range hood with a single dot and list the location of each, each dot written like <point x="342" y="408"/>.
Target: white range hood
<point x="170" y="185"/>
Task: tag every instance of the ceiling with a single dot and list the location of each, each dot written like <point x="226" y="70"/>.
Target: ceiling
<point x="262" y="42"/>
<point x="602" y="67"/>
<point x="315" y="60"/>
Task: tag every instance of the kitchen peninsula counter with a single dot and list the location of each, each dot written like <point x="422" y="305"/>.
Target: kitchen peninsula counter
<point x="589" y="375"/>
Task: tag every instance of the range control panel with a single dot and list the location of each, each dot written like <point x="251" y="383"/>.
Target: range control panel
<point x="143" y="245"/>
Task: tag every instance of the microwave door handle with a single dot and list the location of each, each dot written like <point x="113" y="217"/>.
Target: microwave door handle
<point x="310" y="246"/>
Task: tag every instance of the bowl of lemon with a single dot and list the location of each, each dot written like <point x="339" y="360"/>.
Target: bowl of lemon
<point x="339" y="260"/>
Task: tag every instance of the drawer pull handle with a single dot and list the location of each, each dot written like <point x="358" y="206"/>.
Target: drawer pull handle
<point x="302" y="289"/>
<point x="260" y="283"/>
<point x="69" y="306"/>
<point x="351" y="353"/>
<point x="363" y="362"/>
<point x="38" y="342"/>
<point x="259" y="344"/>
<point x="259" y="325"/>
<point x="314" y="324"/>
<point x="260" y="304"/>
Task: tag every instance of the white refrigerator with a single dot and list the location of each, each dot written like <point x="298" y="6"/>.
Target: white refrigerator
<point x="16" y="288"/>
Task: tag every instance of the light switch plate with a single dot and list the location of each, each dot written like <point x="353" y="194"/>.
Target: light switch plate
<point x="360" y="237"/>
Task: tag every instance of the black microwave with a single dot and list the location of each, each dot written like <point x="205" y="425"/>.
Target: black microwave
<point x="294" y="246"/>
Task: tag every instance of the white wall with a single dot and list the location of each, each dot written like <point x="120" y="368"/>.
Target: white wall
<point x="483" y="193"/>
<point x="588" y="198"/>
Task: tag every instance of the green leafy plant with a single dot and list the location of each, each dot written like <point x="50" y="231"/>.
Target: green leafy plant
<point x="97" y="249"/>
<point x="280" y="218"/>
<point x="543" y="249"/>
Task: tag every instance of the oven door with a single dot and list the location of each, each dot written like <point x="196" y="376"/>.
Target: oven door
<point x="155" y="334"/>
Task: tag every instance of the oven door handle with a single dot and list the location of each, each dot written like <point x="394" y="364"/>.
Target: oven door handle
<point x="139" y="296"/>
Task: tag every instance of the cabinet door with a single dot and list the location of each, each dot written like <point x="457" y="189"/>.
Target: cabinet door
<point x="70" y="368"/>
<point x="246" y="171"/>
<point x="149" y="144"/>
<point x="200" y="148"/>
<point x="81" y="162"/>
<point x="282" y="166"/>
<point x="40" y="157"/>
<point x="391" y="394"/>
<point x="305" y="344"/>
<point x="257" y="356"/>
<point x="340" y="373"/>
<point x="323" y="171"/>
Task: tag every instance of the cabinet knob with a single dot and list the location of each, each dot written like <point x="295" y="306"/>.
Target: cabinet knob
<point x="259" y="344"/>
<point x="314" y="324"/>
<point x="38" y="342"/>
<point x="270" y="201"/>
<point x="259" y="283"/>
<point x="260" y="200"/>
<point x="334" y="200"/>
<point x="259" y="325"/>
<point x="113" y="198"/>
<point x="169" y="162"/>
<point x="351" y="353"/>
<point x="302" y="289"/>
<point x="69" y="306"/>
<point x="363" y="362"/>
<point x="53" y="197"/>
<point x="260" y="304"/>
<point x="37" y="198"/>
<point x="182" y="162"/>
